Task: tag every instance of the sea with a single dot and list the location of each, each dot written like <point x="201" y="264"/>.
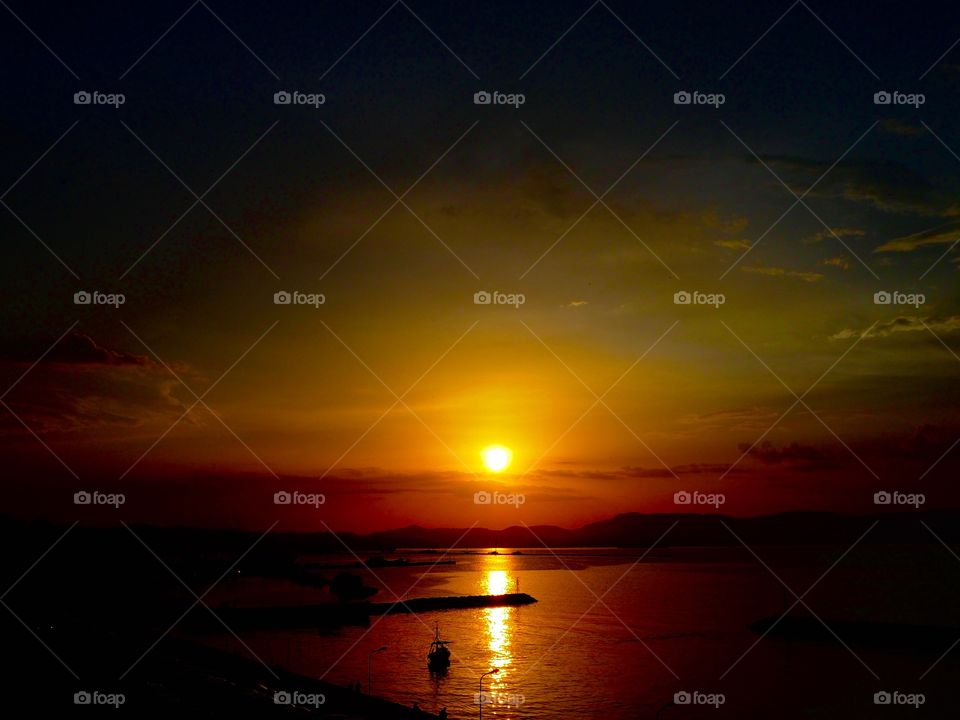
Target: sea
<point x="622" y="635"/>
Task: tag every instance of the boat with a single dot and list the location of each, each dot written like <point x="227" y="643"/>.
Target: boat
<point x="438" y="657"/>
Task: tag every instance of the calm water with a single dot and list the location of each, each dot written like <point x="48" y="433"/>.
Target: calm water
<point x="677" y="621"/>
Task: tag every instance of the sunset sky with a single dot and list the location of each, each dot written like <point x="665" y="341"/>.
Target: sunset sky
<point x="503" y="199"/>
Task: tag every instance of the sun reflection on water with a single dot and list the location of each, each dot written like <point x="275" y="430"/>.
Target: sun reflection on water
<point x="496" y="582"/>
<point x="498" y="629"/>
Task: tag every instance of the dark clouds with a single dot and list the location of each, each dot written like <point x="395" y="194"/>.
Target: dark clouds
<point x="82" y="385"/>
<point x="80" y="349"/>
<point x="800" y="458"/>
<point x="885" y="185"/>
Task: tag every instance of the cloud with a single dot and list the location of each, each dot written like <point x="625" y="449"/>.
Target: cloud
<point x="903" y="324"/>
<point x="840" y="261"/>
<point x="837" y="232"/>
<point x="802" y="458"/>
<point x="743" y="413"/>
<point x="644" y="472"/>
<point x="577" y="303"/>
<point x="728" y="224"/>
<point x="82" y="385"/>
<point x="920" y="444"/>
<point x="80" y="349"/>
<point x="810" y="277"/>
<point x="75" y="349"/>
<point x="688" y="469"/>
<point x="732" y="244"/>
<point x="740" y="418"/>
<point x="898" y="127"/>
<point x="888" y="186"/>
<point x="945" y="234"/>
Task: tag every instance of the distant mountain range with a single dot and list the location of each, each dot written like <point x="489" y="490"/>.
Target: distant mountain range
<point x="637" y="530"/>
<point x="628" y="530"/>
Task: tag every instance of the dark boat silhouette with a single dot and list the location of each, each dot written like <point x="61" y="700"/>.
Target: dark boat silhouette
<point x="438" y="656"/>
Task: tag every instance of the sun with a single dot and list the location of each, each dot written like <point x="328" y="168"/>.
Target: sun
<point x="496" y="458"/>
